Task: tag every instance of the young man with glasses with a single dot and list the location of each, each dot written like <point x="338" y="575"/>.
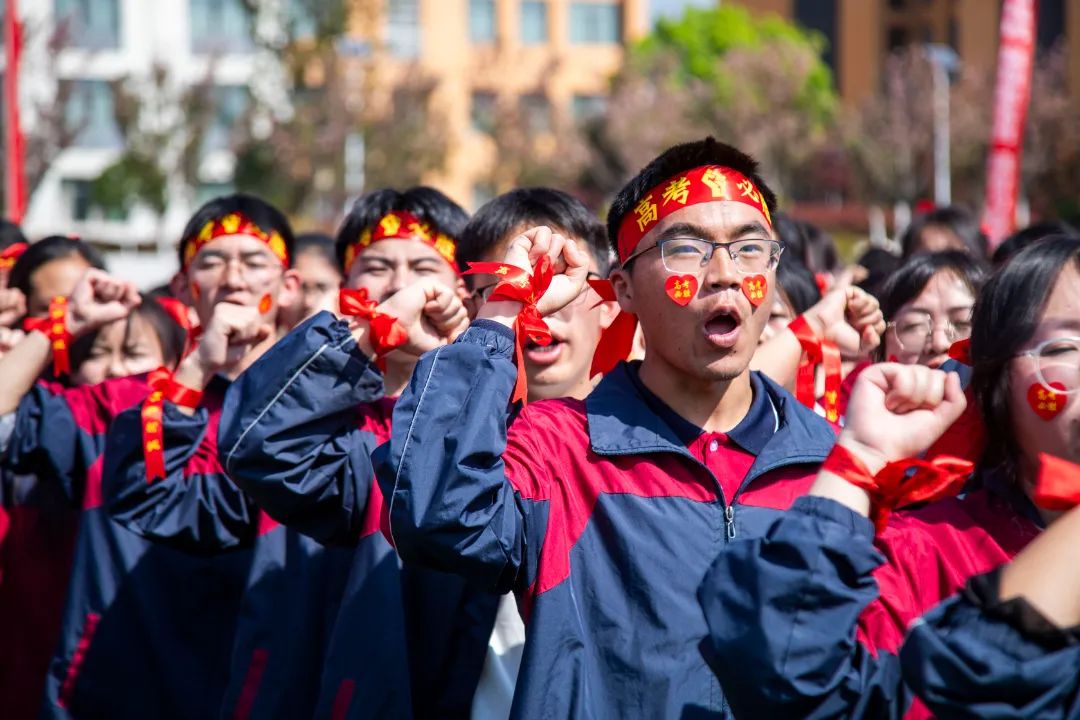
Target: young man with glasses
<point x="603" y="514"/>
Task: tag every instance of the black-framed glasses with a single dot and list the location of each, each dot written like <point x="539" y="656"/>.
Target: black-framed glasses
<point x="689" y="254"/>
<point x="483" y="293"/>
<point x="1057" y="364"/>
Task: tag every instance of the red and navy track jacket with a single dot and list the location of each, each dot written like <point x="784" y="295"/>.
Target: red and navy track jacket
<point x="261" y="598"/>
<point x="594" y="512"/>
<point x="51" y="466"/>
<point x="976" y="656"/>
<point x="816" y="611"/>
<point x="297" y="432"/>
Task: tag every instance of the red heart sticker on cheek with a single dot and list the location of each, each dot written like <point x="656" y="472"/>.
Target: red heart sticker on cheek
<point x="755" y="288"/>
<point x="681" y="288"/>
<point x="265" y="303"/>
<point x="1047" y="404"/>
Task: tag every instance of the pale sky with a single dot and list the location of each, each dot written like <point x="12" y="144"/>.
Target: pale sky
<point x="673" y="8"/>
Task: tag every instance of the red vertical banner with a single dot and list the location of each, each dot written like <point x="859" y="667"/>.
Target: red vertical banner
<point x="1012" y="91"/>
<point x="14" y="151"/>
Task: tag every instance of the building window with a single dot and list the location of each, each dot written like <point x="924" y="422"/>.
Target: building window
<point x="78" y="195"/>
<point x="820" y="15"/>
<point x="482" y="21"/>
<point x="536" y="113"/>
<point x="595" y="23"/>
<point x="90" y="24"/>
<point x="221" y="26"/>
<point x="534" y="23"/>
<point x="588" y="107"/>
<point x="403" y="28"/>
<point x="91" y="116"/>
<point x="483" y="112"/>
<point x="229" y="104"/>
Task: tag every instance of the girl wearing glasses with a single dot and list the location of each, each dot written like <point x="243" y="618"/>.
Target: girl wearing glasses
<point x="817" y="609"/>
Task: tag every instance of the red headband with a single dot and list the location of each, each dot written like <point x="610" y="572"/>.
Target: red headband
<point x="12" y="253"/>
<point x="708" y="183"/>
<point x="402" y="225"/>
<point x="235" y="223"/>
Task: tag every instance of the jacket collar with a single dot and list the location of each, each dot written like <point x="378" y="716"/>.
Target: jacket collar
<point x="624" y="421"/>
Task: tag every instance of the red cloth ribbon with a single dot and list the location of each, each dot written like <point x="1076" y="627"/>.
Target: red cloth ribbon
<point x="162" y="387"/>
<point x="617" y="341"/>
<point x="10" y="255"/>
<point x="960" y="351"/>
<point x="894" y="486"/>
<point x="520" y="286"/>
<point x="817" y="352"/>
<point x="1058" y="486"/>
<point x="54" y="327"/>
<point x="386" y="332"/>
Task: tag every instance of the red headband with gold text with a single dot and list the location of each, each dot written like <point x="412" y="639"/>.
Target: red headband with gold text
<point x="707" y="183"/>
<point x="235" y="223"/>
<point x="403" y="225"/>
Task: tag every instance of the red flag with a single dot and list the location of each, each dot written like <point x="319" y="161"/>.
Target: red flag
<point x="1011" y="94"/>
<point x="14" y="152"/>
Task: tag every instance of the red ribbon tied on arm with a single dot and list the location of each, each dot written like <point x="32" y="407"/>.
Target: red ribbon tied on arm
<point x="163" y="386"/>
<point x="387" y="333"/>
<point x="54" y="327"/>
<point x="519" y="286"/>
<point x="1058" y="486"/>
<point x="617" y="341"/>
<point x="817" y="352"/>
<point x="894" y="486"/>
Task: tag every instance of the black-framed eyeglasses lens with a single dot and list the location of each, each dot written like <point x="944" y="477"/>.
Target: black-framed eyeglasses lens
<point x="689" y="254"/>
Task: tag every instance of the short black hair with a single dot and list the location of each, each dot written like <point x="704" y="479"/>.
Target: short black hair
<point x="10" y="234"/>
<point x="958" y="220"/>
<point x="1006" y="316"/>
<point x="171" y="336"/>
<point x="880" y="264"/>
<point x="426" y="203"/>
<point x="811" y="245"/>
<point x="911" y="278"/>
<point x="317" y="243"/>
<point x="1028" y="235"/>
<point x="797" y="283"/>
<point x="53" y="247"/>
<point x="259" y="211"/>
<point x="496" y="219"/>
<point x="673" y="161"/>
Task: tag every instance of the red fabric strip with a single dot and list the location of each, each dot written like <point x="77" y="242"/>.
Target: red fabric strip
<point x="386" y="333"/>
<point x="1058" y="486"/>
<point x="77" y="658"/>
<point x="250" y="689"/>
<point x="343" y="699"/>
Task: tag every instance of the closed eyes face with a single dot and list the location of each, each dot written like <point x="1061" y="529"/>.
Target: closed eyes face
<point x="121" y="348"/>
<point x="390" y="265"/>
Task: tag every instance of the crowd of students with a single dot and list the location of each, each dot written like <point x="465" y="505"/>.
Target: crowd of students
<point x="522" y="464"/>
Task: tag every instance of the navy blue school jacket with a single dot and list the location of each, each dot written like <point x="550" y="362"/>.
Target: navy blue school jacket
<point x="254" y="599"/>
<point x="594" y="512"/>
<point x="297" y="432"/>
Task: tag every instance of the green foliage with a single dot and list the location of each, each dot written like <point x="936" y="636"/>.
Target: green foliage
<point x="133" y="177"/>
<point x="699" y="40"/>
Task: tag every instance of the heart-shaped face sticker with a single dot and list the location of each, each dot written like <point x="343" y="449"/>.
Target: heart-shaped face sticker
<point x="681" y="288"/>
<point x="1046" y="403"/>
<point x="755" y="288"/>
<point x="265" y="303"/>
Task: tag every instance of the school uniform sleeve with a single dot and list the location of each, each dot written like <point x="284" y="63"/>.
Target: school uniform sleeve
<point x="298" y="428"/>
<point x="783" y="613"/>
<point x="465" y="497"/>
<point x="975" y="656"/>
<point x="59" y="432"/>
<point x="195" y="507"/>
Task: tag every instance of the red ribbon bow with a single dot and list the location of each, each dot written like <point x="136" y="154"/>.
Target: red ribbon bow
<point x="894" y="486"/>
<point x="11" y="254"/>
<point x="617" y="341"/>
<point x="960" y="351"/>
<point x="1058" y="486"/>
<point x="818" y="352"/>
<point x="519" y="286"/>
<point x="54" y="327"/>
<point x="387" y="333"/>
<point x="162" y="387"/>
